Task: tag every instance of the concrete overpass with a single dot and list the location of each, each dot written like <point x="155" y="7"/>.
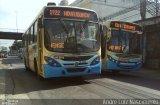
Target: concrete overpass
<point x="11" y="35"/>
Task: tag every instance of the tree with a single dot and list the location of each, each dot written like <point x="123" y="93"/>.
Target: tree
<point x="16" y="45"/>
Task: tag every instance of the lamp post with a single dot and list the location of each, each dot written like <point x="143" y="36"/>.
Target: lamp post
<point x="16" y="22"/>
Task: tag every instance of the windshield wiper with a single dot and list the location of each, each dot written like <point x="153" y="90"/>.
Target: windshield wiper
<point x="85" y="23"/>
<point x="126" y="49"/>
<point x="64" y="26"/>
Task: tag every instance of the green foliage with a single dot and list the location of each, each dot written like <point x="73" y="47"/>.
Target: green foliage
<point x="16" y="45"/>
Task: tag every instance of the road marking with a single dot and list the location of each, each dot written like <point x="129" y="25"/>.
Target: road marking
<point x="153" y="91"/>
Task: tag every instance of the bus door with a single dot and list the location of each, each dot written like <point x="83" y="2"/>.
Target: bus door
<point x="39" y="47"/>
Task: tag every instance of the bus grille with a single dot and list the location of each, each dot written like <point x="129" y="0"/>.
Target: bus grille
<point x="71" y="70"/>
<point x="77" y="58"/>
<point x="73" y="64"/>
<point x="127" y="66"/>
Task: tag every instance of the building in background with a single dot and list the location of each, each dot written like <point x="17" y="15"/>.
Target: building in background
<point x="63" y="2"/>
<point x="147" y="12"/>
<point x="123" y="10"/>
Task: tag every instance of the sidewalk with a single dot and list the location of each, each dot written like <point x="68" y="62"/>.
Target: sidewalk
<point x="2" y="81"/>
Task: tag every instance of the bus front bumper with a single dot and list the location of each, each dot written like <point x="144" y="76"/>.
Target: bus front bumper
<point x="113" y="66"/>
<point x="50" y="71"/>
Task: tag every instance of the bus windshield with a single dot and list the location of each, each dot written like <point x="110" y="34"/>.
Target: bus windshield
<point x="124" y="42"/>
<point x="68" y="36"/>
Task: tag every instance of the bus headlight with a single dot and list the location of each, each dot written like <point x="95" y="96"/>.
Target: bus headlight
<point x="139" y="62"/>
<point x="52" y="62"/>
<point x="96" y="60"/>
<point x="111" y="59"/>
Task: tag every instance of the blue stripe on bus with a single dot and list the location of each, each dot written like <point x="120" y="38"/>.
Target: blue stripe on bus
<point x="113" y="66"/>
<point x="50" y="71"/>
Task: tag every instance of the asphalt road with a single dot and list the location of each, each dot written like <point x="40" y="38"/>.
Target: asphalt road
<point x="21" y="87"/>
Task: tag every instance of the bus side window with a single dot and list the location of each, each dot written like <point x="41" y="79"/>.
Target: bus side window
<point x="35" y="31"/>
<point x="31" y="35"/>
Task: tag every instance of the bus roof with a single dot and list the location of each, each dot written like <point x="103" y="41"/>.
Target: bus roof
<point x="71" y="7"/>
<point x="41" y="13"/>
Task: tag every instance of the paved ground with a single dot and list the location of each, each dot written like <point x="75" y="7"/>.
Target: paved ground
<point x="17" y="83"/>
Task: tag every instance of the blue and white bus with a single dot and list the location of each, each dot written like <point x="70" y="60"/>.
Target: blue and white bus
<point x="63" y="41"/>
<point x="122" y="46"/>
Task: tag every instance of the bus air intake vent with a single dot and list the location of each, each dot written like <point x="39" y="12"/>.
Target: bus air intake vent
<point x="77" y="58"/>
<point x="71" y="70"/>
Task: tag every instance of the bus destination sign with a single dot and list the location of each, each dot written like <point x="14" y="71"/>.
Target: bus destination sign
<point x="74" y="13"/>
<point x="126" y="26"/>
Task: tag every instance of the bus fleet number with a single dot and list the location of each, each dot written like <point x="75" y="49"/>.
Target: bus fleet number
<point x="55" y="12"/>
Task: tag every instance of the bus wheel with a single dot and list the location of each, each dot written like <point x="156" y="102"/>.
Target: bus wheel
<point x="35" y="67"/>
<point x="26" y="68"/>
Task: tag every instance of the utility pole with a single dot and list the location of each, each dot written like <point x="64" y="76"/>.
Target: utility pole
<point x="143" y="9"/>
<point x="64" y="2"/>
<point x="16" y="22"/>
<point x="157" y="7"/>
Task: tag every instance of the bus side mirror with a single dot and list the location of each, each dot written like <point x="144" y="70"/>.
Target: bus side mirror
<point x="103" y="30"/>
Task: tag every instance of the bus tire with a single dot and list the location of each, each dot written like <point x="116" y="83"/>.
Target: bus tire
<point x="35" y="67"/>
<point x="26" y="68"/>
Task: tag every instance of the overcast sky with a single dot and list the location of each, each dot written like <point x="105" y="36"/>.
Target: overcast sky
<point x="24" y="10"/>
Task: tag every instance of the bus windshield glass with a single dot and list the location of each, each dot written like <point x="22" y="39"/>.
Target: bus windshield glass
<point x="124" y="42"/>
<point x="68" y="36"/>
